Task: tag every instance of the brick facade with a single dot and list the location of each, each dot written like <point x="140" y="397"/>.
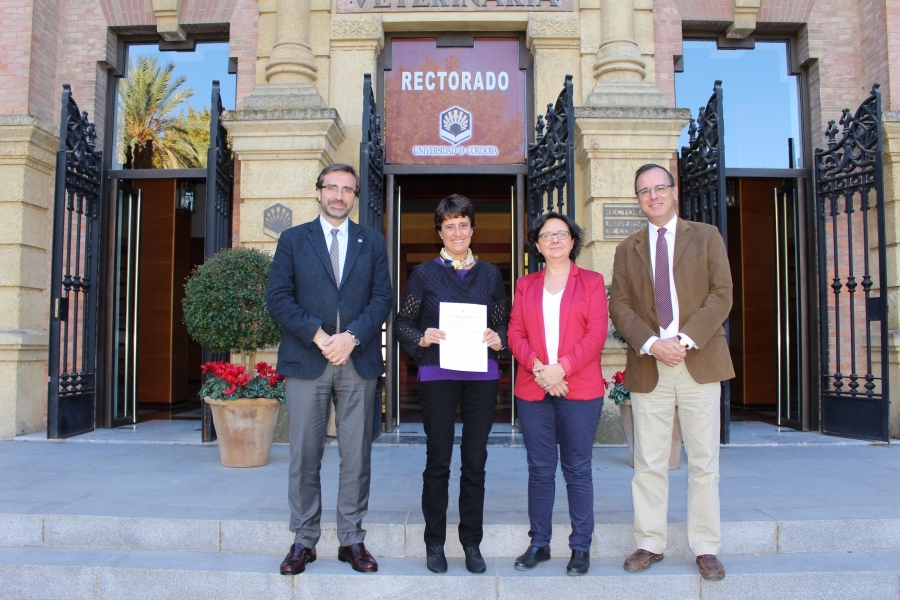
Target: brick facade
<point x="843" y="46"/>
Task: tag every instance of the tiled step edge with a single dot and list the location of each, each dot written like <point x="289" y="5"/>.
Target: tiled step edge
<point x="96" y="574"/>
<point x="405" y="539"/>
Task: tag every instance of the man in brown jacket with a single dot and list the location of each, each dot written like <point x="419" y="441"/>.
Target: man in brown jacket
<point x="671" y="293"/>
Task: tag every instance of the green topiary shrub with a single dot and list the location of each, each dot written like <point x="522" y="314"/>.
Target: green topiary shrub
<point x="225" y="304"/>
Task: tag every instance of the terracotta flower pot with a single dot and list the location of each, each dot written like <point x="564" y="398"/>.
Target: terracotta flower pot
<point x="245" y="429"/>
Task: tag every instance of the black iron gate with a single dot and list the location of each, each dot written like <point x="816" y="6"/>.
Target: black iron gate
<point x="551" y="162"/>
<point x="701" y="186"/>
<point x="854" y="311"/>
<point x="371" y="162"/>
<point x="73" y="277"/>
<point x="219" y="190"/>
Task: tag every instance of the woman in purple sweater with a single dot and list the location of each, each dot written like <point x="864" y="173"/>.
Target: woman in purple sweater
<point x="454" y="276"/>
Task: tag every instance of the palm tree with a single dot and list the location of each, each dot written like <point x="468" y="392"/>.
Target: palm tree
<point x="153" y="135"/>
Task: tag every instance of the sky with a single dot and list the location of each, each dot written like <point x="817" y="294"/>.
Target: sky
<point x="760" y="100"/>
<point x="207" y="63"/>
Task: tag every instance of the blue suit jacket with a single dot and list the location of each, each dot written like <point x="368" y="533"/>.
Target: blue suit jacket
<point x="303" y="296"/>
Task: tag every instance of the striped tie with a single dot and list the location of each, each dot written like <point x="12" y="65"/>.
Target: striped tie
<point x="336" y="266"/>
<point x="661" y="288"/>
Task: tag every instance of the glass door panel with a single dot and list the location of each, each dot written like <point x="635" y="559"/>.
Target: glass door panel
<point x="787" y="286"/>
<point x="127" y="250"/>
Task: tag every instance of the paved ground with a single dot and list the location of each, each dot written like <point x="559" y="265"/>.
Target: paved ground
<point x="783" y="482"/>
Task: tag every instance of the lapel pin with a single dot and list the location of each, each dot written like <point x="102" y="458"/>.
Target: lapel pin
<point x="359" y="240"/>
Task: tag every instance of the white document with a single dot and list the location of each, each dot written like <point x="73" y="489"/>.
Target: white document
<point x="464" y="325"/>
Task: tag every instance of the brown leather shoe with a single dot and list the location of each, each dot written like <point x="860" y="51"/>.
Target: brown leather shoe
<point x="358" y="557"/>
<point x="640" y="560"/>
<point x="711" y="568"/>
<point x="297" y="558"/>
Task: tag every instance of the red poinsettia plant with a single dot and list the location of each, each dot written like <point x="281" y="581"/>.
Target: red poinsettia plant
<point x="616" y="387"/>
<point x="227" y="381"/>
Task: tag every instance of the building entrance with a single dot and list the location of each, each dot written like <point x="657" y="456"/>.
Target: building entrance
<point x="415" y="199"/>
<point x="157" y="239"/>
<point x="768" y="320"/>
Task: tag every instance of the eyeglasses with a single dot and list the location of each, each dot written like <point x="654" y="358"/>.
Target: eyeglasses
<point x="660" y="189"/>
<point x="333" y="189"/>
<point x="558" y="235"/>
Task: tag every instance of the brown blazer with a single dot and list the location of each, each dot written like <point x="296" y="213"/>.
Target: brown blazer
<point x="703" y="284"/>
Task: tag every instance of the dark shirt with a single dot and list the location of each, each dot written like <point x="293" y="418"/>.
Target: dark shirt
<point x="430" y="284"/>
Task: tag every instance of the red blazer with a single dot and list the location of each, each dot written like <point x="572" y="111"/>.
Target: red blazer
<point x="582" y="333"/>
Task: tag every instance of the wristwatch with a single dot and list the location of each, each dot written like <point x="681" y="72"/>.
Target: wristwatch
<point x="681" y="340"/>
<point x="353" y="337"/>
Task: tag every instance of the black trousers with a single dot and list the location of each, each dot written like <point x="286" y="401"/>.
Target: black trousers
<point x="439" y="399"/>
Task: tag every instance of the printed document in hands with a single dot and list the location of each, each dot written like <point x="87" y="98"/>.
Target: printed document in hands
<point x="464" y="325"/>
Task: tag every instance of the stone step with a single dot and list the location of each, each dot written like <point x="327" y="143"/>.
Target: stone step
<point x="399" y="534"/>
<point x="106" y="574"/>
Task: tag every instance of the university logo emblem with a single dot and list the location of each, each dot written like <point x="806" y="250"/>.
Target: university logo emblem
<point x="455" y="125"/>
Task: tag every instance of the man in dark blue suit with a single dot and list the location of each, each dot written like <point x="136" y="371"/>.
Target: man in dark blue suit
<point x="330" y="289"/>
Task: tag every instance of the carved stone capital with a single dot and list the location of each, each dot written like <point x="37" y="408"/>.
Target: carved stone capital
<point x="167" y="20"/>
<point x="353" y="27"/>
<point x="543" y="26"/>
<point x="745" y="13"/>
<point x="355" y="32"/>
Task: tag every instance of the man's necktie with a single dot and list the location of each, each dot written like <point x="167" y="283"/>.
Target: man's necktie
<point x="336" y="266"/>
<point x="661" y="288"/>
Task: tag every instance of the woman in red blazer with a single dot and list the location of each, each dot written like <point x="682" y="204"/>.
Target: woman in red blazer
<point x="557" y="329"/>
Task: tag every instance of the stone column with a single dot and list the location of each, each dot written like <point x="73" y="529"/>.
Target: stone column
<point x="625" y="124"/>
<point x="291" y="70"/>
<point x="612" y="143"/>
<point x="27" y="164"/>
<point x="620" y="71"/>
<point x="891" y="123"/>
<point x="281" y="153"/>
<point x="356" y="42"/>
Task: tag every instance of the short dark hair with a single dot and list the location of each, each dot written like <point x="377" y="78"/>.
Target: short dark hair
<point x="338" y="167"/>
<point x="575" y="231"/>
<point x="451" y="207"/>
<point x="644" y="168"/>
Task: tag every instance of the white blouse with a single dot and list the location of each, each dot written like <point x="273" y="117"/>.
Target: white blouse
<point x="551" y="324"/>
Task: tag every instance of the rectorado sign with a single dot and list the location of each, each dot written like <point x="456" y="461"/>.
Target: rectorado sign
<point x="455" y="105"/>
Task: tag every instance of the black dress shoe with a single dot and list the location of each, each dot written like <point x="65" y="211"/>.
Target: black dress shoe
<point x="435" y="559"/>
<point x="358" y="557"/>
<point x="579" y="563"/>
<point x="474" y="560"/>
<point x="297" y="558"/>
<point x="532" y="557"/>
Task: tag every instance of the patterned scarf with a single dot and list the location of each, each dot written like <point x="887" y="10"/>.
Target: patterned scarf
<point x="468" y="263"/>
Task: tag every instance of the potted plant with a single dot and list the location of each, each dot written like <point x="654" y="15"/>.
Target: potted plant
<point x="244" y="410"/>
<point x="225" y="311"/>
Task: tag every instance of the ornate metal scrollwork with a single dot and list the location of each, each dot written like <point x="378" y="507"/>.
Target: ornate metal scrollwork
<point x="74" y="269"/>
<point x="219" y="180"/>
<point x="702" y="165"/>
<point x="371" y="161"/>
<point x="551" y="158"/>
<point x="551" y="161"/>
<point x="852" y="259"/>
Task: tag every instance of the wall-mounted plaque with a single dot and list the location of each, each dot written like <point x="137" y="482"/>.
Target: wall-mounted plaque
<point x="621" y="220"/>
<point x="382" y="6"/>
<point x="455" y="106"/>
<point x="276" y="219"/>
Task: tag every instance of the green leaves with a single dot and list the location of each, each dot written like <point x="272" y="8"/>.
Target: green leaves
<point x="225" y="302"/>
<point x="157" y="135"/>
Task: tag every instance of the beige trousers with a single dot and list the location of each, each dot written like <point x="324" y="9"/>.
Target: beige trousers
<point x="698" y="412"/>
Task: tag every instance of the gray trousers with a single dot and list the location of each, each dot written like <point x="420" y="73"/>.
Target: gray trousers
<point x="308" y="402"/>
